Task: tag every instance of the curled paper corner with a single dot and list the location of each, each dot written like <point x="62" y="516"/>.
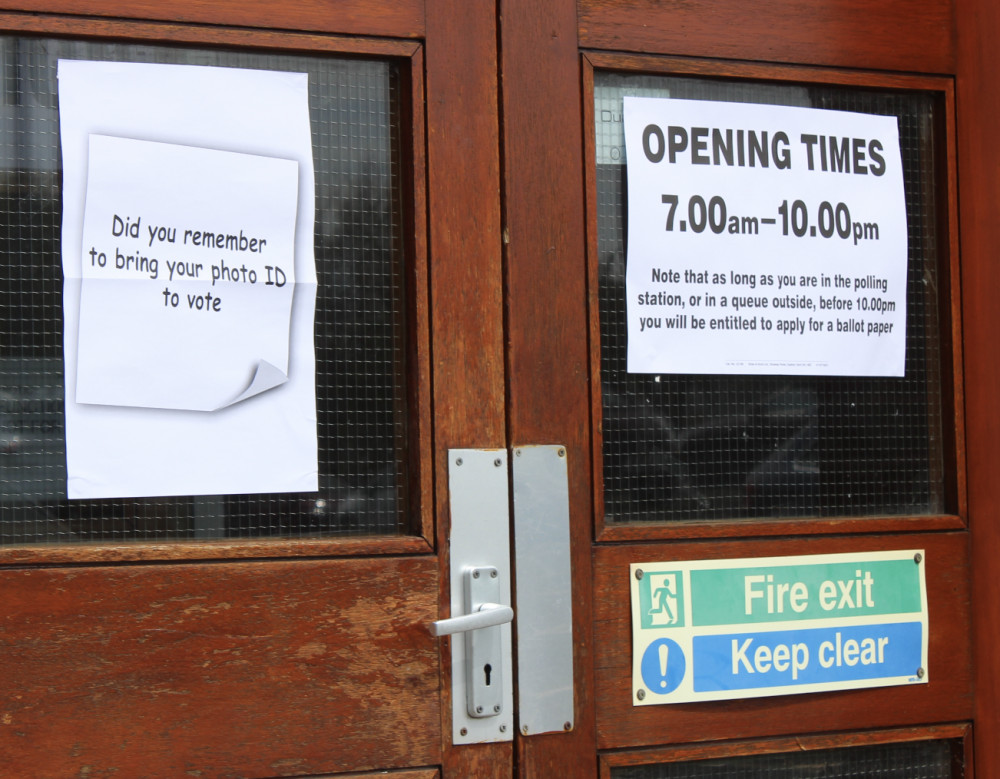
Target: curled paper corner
<point x="265" y="378"/>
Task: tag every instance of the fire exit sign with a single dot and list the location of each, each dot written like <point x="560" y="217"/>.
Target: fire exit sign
<point x="723" y="629"/>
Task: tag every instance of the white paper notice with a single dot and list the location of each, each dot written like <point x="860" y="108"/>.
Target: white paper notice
<point x="764" y="240"/>
<point x="190" y="280"/>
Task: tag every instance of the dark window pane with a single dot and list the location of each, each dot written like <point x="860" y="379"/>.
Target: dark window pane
<point x="355" y="109"/>
<point x="917" y="760"/>
<point x="683" y="447"/>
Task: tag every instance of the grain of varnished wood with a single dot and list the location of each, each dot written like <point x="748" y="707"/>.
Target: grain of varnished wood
<point x="978" y="108"/>
<point x="428" y="773"/>
<point x="232" y="669"/>
<point x="960" y="734"/>
<point x="774" y="528"/>
<point x="417" y="378"/>
<point x="389" y="18"/>
<point x="466" y="284"/>
<point x="165" y="32"/>
<point x="764" y="71"/>
<point x="948" y="697"/>
<point x="547" y="310"/>
<point x="230" y="549"/>
<point x="916" y="36"/>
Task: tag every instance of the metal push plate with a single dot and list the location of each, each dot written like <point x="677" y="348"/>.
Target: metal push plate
<point x="480" y="539"/>
<point x="544" y="609"/>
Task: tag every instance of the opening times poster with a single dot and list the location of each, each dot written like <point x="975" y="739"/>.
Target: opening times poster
<point x="764" y="240"/>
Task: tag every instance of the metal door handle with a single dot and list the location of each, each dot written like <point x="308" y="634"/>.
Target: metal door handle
<point x="483" y="646"/>
<point x="488" y="615"/>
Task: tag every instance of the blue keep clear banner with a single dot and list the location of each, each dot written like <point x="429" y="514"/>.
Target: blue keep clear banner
<point x="741" y="661"/>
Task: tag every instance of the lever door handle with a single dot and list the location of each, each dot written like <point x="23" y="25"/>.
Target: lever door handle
<point x="488" y="615"/>
<point x="482" y="629"/>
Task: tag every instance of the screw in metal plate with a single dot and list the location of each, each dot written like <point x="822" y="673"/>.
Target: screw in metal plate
<point x="638" y="573"/>
<point x="493" y="574"/>
<point x="475" y="574"/>
<point x="561" y="452"/>
<point x="517" y="452"/>
<point x="503" y="728"/>
<point x="463" y="732"/>
<point x="496" y="708"/>
<point x="917" y="558"/>
<point x="498" y="462"/>
<point x="479" y="709"/>
<point x="641" y="695"/>
<point x="920" y="673"/>
<point x="458" y="461"/>
<point x="567" y="726"/>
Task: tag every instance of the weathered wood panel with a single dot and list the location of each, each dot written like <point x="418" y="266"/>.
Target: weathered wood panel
<point x="224" y="670"/>
<point x="394" y="18"/>
<point x="959" y="734"/>
<point x="547" y="312"/>
<point x="978" y="110"/>
<point x="466" y="282"/>
<point x="917" y="36"/>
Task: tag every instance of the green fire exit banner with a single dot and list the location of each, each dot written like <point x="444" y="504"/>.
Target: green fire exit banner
<point x="724" y="629"/>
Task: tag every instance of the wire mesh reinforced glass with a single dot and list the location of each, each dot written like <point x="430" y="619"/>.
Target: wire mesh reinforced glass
<point x="916" y="760"/>
<point x="361" y="343"/>
<point x="700" y="447"/>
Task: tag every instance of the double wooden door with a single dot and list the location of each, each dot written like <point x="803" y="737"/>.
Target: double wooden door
<point x="290" y="638"/>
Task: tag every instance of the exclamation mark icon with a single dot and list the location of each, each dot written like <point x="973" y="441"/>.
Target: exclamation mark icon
<point x="662" y="666"/>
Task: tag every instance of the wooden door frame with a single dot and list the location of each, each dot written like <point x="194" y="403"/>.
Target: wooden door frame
<point x="948" y="302"/>
<point x="959" y="734"/>
<point x="414" y="184"/>
<point x="546" y="310"/>
<point x="978" y="103"/>
<point x="466" y="287"/>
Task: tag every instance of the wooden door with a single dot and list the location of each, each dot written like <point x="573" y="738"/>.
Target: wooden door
<point x="629" y="438"/>
<point x="241" y="636"/>
<point x="275" y="635"/>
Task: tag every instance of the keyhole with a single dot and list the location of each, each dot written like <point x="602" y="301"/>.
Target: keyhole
<point x="488" y="669"/>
